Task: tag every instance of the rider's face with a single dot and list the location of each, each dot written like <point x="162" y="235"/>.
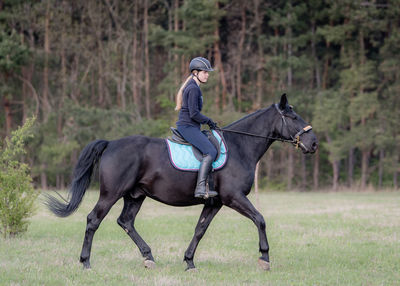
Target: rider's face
<point x="203" y="76"/>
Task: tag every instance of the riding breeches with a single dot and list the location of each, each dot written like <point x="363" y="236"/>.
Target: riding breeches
<point x="195" y="137"/>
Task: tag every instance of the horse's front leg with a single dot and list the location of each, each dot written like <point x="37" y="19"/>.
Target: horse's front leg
<point x="208" y="213"/>
<point x="242" y="205"/>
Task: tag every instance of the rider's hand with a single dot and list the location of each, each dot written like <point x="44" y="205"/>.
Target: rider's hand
<point x="212" y="124"/>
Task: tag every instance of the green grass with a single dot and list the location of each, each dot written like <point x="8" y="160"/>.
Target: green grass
<point x="315" y="239"/>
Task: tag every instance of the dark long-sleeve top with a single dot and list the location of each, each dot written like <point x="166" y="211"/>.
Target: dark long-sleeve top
<point x="192" y="103"/>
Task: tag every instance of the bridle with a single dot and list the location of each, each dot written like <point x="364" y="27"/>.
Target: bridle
<point x="295" y="139"/>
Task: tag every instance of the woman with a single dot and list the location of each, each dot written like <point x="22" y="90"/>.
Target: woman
<point x="189" y="102"/>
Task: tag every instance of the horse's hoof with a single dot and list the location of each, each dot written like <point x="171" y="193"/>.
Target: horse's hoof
<point x="191" y="269"/>
<point x="264" y="265"/>
<point x="86" y="265"/>
<point x="149" y="264"/>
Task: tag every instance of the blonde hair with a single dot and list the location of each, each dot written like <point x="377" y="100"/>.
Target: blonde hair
<point x="179" y="95"/>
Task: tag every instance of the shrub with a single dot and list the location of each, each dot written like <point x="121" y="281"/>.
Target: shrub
<point x="17" y="195"/>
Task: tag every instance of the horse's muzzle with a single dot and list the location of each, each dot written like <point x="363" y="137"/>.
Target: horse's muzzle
<point x="311" y="149"/>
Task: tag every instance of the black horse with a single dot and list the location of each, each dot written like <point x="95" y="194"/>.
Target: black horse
<point x="137" y="167"/>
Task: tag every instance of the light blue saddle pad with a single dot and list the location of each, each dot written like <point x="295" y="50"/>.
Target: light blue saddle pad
<point x="182" y="157"/>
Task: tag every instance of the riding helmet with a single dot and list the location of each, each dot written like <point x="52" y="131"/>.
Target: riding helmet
<point x="200" y="64"/>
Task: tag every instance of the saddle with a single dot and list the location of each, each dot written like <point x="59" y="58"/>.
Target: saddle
<point x="177" y="138"/>
<point x="185" y="157"/>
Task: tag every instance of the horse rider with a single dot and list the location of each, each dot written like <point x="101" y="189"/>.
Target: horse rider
<point x="189" y="102"/>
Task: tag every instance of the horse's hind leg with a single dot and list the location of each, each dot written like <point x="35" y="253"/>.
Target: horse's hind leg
<point x="94" y="219"/>
<point x="127" y="220"/>
<point x="207" y="214"/>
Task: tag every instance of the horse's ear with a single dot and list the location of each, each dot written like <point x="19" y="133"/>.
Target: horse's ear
<point x="284" y="102"/>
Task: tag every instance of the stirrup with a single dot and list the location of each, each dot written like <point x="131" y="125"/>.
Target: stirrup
<point x="207" y="193"/>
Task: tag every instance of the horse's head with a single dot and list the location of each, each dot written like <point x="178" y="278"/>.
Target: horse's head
<point x="290" y="126"/>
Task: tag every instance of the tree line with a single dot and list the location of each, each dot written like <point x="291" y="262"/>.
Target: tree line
<point x="111" y="68"/>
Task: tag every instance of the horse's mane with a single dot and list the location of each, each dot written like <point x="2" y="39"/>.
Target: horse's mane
<point x="255" y="113"/>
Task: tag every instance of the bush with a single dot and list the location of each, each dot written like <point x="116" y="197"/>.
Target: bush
<point x="17" y="195"/>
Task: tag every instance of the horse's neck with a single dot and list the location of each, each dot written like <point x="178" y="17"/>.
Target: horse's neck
<point x="252" y="148"/>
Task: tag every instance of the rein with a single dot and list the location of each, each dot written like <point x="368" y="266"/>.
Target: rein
<point x="295" y="139"/>
<point x="255" y="135"/>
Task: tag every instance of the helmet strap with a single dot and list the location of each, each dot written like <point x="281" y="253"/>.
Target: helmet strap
<point x="195" y="75"/>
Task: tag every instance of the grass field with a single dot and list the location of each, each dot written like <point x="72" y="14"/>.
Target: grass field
<point x="315" y="239"/>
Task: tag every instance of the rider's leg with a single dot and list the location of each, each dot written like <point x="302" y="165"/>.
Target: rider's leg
<point x="201" y="142"/>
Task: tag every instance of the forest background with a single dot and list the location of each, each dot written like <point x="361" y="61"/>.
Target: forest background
<point x="107" y="69"/>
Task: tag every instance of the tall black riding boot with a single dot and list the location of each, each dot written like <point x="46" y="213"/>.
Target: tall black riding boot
<point x="201" y="187"/>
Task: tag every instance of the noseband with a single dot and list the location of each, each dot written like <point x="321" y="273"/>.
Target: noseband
<point x="295" y="139"/>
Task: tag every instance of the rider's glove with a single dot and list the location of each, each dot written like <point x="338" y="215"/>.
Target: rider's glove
<point x="212" y="124"/>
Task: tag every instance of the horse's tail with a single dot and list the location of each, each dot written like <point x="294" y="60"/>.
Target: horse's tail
<point x="88" y="159"/>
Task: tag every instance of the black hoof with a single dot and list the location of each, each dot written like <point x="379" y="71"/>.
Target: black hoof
<point x="191" y="269"/>
<point x="85" y="263"/>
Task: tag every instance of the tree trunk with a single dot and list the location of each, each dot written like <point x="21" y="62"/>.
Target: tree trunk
<point x="380" y="171"/>
<point x="217" y="97"/>
<point x="146" y="58"/>
<point x="260" y="56"/>
<point x="303" y="172"/>
<point x="176" y="29"/>
<point x="274" y="70"/>
<point x="289" y="52"/>
<point x="364" y="168"/>
<point x="123" y="78"/>
<point x="365" y="152"/>
<point x="100" y="84"/>
<point x="335" y="167"/>
<point x="350" y="168"/>
<point x="25" y="89"/>
<point x="45" y="96"/>
<point x="315" y="84"/>
<point x="60" y="119"/>
<point x="43" y="176"/>
<point x="239" y="56"/>
<point x="315" y="57"/>
<point x="231" y="94"/>
<point x="290" y="169"/>
<point x="289" y="85"/>
<point x="325" y="79"/>
<point x="8" y="114"/>
<point x="27" y="74"/>
<point x="325" y="75"/>
<point x="396" y="170"/>
<point x="134" y="74"/>
<point x="335" y="179"/>
<point x="218" y="62"/>
<point x="316" y="171"/>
